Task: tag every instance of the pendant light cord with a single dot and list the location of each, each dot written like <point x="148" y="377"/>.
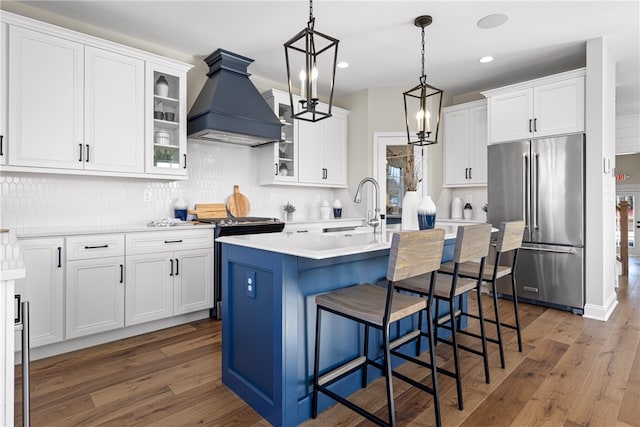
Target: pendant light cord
<point x="311" y="18"/>
<point x="423" y="77"/>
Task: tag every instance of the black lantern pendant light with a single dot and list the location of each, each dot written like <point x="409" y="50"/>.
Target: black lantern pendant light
<point x="306" y="67"/>
<point x="422" y="103"/>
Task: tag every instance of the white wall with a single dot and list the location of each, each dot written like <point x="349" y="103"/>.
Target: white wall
<point x="600" y="184"/>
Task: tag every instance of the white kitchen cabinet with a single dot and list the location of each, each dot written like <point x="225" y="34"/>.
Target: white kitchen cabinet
<point x="465" y="144"/>
<point x="193" y="280"/>
<point x="149" y="291"/>
<point x="94" y="284"/>
<point x="278" y="162"/>
<point x="114" y="112"/>
<point x="46" y="100"/>
<point x="86" y="111"/>
<point x="168" y="273"/>
<point x="4" y="28"/>
<point x="553" y="105"/>
<point x="310" y="154"/>
<point x="323" y="150"/>
<point x="43" y="288"/>
<point x="166" y="138"/>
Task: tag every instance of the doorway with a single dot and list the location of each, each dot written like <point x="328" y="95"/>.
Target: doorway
<point x="632" y="196"/>
<point x="392" y="156"/>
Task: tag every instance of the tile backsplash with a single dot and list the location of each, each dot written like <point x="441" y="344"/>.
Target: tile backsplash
<point x="50" y="200"/>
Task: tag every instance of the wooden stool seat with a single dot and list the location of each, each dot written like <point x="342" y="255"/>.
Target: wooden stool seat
<point x="366" y="302"/>
<point x="471" y="268"/>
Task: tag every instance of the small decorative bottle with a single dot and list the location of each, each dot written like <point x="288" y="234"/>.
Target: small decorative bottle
<point x="468" y="209"/>
<point x="337" y="209"/>
<point x="426" y="213"/>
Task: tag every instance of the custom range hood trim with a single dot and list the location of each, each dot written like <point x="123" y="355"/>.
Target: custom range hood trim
<point x="229" y="108"/>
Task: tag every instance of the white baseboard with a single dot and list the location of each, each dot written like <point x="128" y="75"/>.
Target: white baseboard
<point x="602" y="313"/>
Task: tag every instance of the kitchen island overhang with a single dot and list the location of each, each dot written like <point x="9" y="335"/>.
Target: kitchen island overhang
<point x="269" y="288"/>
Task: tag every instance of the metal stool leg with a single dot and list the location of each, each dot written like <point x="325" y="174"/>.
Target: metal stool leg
<point x="456" y="359"/>
<point x="496" y="309"/>
<point x="483" y="335"/>
<point x="316" y="366"/>
<point x="515" y="310"/>
<point x="434" y="368"/>
<point x="388" y="376"/>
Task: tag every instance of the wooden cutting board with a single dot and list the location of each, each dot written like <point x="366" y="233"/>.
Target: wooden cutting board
<point x="238" y="204"/>
<point x="209" y="210"/>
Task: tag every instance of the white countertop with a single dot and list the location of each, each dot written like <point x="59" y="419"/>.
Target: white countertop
<point x="321" y="245"/>
<point x="32" y="232"/>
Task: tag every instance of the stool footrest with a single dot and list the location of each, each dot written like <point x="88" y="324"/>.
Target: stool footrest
<point x="404" y="339"/>
<point x="341" y="370"/>
<point x="447" y="317"/>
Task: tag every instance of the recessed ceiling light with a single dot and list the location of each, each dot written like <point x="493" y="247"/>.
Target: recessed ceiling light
<point x="492" y="21"/>
<point x="342" y="64"/>
<point x="486" y="59"/>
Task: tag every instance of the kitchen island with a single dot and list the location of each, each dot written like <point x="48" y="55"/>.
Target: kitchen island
<point x="268" y="293"/>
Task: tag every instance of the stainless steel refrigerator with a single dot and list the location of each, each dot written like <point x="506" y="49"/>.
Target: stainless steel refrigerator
<point x="541" y="181"/>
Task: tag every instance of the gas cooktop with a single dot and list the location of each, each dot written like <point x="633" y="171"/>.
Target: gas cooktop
<point x="242" y="221"/>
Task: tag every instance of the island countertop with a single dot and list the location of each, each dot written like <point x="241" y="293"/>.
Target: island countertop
<point x="322" y="245"/>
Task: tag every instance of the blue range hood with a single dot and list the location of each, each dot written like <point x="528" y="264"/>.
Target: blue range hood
<point x="229" y="108"/>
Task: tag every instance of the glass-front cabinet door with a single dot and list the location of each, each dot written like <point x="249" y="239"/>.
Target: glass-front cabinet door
<point x="166" y="134"/>
<point x="283" y="166"/>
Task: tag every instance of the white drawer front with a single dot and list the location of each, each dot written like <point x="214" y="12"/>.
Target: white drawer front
<point x="95" y="246"/>
<point x="161" y="241"/>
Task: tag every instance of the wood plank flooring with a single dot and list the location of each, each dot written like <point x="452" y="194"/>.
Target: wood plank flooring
<point x="573" y="372"/>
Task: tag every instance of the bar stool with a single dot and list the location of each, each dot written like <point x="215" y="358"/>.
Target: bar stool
<point x="509" y="239"/>
<point x="415" y="253"/>
<point x="472" y="242"/>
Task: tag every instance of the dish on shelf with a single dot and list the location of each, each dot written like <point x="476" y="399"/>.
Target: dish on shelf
<point x="283" y="170"/>
<point x="162" y="137"/>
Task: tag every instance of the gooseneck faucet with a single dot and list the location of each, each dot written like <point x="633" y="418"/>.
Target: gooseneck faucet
<point x="375" y="221"/>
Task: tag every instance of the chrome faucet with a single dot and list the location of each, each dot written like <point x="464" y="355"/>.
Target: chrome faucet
<point x="374" y="222"/>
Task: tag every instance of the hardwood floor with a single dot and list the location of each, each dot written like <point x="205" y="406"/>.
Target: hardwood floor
<point x="573" y="372"/>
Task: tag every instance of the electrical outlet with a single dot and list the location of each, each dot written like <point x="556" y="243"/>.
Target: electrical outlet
<point x="250" y="284"/>
<point x="147" y="195"/>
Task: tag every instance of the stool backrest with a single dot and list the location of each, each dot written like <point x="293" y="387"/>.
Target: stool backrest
<point x="472" y="242"/>
<point x="414" y="253"/>
<point x="510" y="236"/>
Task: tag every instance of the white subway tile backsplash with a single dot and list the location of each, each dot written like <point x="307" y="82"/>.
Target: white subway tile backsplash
<point x="50" y="200"/>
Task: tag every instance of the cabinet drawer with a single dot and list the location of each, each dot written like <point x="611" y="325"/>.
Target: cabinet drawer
<point x="95" y="246"/>
<point x="161" y="241"/>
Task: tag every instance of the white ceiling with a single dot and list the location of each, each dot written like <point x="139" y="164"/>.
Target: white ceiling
<point x="380" y="42"/>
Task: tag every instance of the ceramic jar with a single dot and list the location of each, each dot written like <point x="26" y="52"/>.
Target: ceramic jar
<point x="162" y="86"/>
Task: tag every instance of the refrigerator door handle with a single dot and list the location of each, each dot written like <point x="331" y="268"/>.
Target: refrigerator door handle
<point x="555" y="251"/>
<point x="525" y="190"/>
<point x="535" y="161"/>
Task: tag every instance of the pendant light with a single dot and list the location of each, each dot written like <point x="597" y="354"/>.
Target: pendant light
<point x="422" y="104"/>
<point x="311" y="59"/>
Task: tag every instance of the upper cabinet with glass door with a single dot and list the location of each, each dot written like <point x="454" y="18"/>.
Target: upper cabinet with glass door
<point x="166" y="132"/>
<point x="278" y="162"/>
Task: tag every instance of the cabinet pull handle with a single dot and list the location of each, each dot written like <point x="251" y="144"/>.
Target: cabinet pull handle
<point x="1" y="144"/>
<point x="302" y="231"/>
<point x="324" y="173"/>
<point x="171" y="263"/>
<point x="96" y="247"/>
<point x="121" y="273"/>
<point x="177" y="267"/>
<point x="530" y="125"/>
<point x="18" y="318"/>
<point x="535" y="125"/>
<point x="470" y="173"/>
<point x="185" y="161"/>
<point x="466" y="173"/>
<point x="173" y="241"/>
<point x="59" y="256"/>
<point x="87" y="160"/>
<point x="80" y="158"/>
<point x="276" y="169"/>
